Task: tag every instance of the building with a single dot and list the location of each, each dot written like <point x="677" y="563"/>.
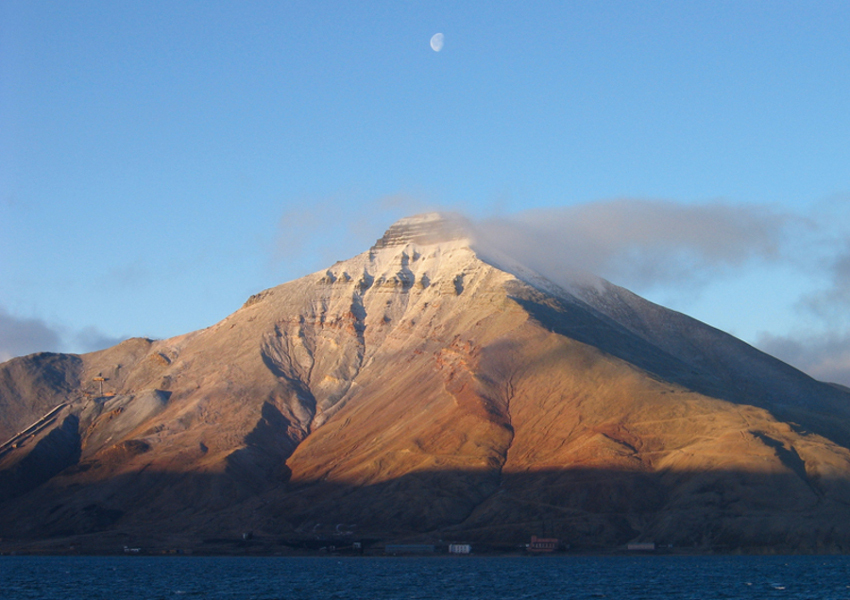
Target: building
<point x="543" y="544"/>
<point x="460" y="548"/>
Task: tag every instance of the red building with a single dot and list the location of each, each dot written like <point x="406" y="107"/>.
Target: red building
<point x="543" y="544"/>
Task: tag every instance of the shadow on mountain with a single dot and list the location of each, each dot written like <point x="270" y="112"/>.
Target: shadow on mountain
<point x="747" y="375"/>
<point x="59" y="449"/>
<point x="593" y="509"/>
<point x="260" y="460"/>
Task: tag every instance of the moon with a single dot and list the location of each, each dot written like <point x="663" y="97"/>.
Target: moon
<point x="437" y="42"/>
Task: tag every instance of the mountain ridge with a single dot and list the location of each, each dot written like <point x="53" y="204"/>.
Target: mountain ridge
<point x="418" y="389"/>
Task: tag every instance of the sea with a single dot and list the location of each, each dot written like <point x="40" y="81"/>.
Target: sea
<point x="462" y="578"/>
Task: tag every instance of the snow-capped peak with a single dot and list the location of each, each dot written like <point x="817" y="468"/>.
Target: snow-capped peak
<point x="425" y="229"/>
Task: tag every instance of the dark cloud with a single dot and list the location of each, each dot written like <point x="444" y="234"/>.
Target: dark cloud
<point x="20" y="336"/>
<point x="641" y="243"/>
<point x="831" y="250"/>
<point x="831" y="303"/>
<point x="824" y="357"/>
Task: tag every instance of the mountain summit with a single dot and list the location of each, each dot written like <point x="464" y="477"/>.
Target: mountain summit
<point x="425" y="229"/>
<point x="426" y="390"/>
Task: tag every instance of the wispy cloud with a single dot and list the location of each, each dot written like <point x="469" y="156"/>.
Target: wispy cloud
<point x="320" y="232"/>
<point x="90" y="339"/>
<point x="127" y="276"/>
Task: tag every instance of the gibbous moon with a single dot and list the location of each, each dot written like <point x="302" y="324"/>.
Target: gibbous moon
<point x="437" y="42"/>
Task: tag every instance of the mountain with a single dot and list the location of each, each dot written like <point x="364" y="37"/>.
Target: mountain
<point x="426" y="389"/>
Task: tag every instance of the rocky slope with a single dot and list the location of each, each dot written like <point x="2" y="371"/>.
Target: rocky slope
<point x="422" y="390"/>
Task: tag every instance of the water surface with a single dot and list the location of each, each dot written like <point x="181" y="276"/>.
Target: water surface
<point x="466" y="578"/>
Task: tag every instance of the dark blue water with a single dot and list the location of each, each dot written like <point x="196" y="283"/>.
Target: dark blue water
<point x="463" y="578"/>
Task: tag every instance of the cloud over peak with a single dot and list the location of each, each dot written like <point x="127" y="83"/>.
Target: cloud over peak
<point x="663" y="245"/>
<point x="640" y="243"/>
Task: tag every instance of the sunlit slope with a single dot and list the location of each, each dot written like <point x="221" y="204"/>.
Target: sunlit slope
<point x="572" y="443"/>
<point x="423" y="389"/>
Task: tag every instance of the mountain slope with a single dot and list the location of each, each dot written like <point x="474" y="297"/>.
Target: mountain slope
<point x="421" y="389"/>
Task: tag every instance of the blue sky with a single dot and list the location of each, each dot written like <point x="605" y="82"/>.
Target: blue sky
<point x="161" y="161"/>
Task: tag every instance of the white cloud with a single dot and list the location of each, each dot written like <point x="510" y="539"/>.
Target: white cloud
<point x="642" y="243"/>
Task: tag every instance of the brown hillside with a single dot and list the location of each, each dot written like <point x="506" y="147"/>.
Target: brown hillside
<point x="422" y="391"/>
